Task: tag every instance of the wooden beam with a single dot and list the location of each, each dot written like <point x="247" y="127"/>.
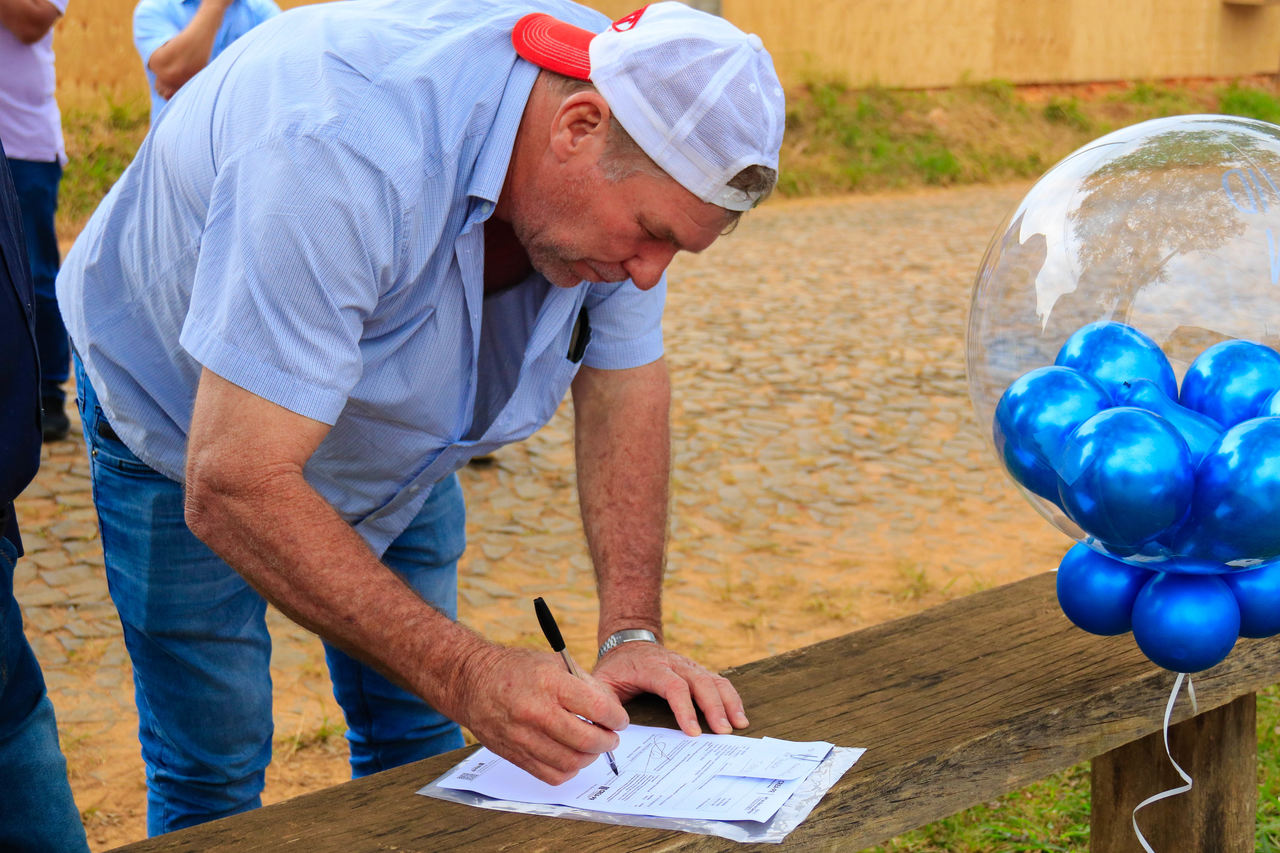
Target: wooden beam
<point x="1218" y="750"/>
<point x="957" y="705"/>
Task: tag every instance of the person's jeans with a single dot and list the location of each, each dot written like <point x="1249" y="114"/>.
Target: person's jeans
<point x="37" y="812"/>
<point x="197" y="637"/>
<point x="37" y="185"/>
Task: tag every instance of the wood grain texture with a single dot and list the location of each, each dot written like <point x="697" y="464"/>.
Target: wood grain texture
<point x="958" y="704"/>
<point x="1218" y="750"/>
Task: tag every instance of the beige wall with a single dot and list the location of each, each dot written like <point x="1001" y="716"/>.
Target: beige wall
<point x="926" y="43"/>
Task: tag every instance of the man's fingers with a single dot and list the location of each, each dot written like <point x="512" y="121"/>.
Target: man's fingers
<point x="553" y="763"/>
<point x="687" y="687"/>
<point x="600" y="705"/>
<point x="676" y="691"/>
<point x="719" y="702"/>
<point x="581" y="734"/>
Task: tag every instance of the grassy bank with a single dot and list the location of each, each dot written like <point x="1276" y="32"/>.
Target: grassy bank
<point x="842" y="140"/>
<point x="839" y="140"/>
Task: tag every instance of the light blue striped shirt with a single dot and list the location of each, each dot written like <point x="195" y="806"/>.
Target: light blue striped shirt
<point x="307" y="222"/>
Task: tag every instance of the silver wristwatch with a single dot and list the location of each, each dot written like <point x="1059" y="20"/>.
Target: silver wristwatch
<point x="628" y="635"/>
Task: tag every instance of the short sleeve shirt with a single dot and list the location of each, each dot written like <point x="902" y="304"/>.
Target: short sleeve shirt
<point x="307" y="222"/>
<point x="30" y="123"/>
<point x="157" y="21"/>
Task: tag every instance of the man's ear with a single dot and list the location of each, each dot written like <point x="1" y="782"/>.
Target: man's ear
<point x="580" y="125"/>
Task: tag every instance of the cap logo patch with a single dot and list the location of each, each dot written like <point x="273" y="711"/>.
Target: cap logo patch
<point x="626" y="22"/>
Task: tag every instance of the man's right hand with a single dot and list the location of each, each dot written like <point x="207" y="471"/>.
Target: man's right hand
<point x="526" y="707"/>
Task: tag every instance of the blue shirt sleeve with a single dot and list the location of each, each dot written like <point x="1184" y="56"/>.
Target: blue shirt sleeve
<point x="626" y="325"/>
<point x="154" y="23"/>
<point x="264" y="10"/>
<point x="301" y="239"/>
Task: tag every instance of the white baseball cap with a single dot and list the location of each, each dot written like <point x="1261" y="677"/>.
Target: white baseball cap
<point x="697" y="94"/>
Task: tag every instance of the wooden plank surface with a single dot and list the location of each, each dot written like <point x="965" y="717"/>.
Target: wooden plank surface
<point x="1218" y="750"/>
<point x="957" y="705"/>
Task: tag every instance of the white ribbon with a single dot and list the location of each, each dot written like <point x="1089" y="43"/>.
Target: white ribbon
<point x="1181" y="789"/>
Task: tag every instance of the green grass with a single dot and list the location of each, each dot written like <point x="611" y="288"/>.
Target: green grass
<point x="1053" y="814"/>
<point x="1268" y="836"/>
<point x="841" y="139"/>
<point x="100" y="144"/>
<point x="1250" y="103"/>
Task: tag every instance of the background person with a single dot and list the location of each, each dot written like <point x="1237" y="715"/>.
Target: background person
<point x="37" y="813"/>
<point x="176" y="38"/>
<point x="407" y="243"/>
<point x="31" y="128"/>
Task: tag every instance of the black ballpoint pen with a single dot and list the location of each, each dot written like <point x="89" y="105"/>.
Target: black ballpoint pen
<point x="552" y="632"/>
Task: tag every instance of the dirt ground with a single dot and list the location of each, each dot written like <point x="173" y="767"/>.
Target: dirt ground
<point x="828" y="475"/>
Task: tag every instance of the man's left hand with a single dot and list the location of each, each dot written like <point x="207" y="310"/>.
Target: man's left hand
<point x="635" y="668"/>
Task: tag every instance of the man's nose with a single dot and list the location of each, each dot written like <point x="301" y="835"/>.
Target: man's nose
<point x="646" y="267"/>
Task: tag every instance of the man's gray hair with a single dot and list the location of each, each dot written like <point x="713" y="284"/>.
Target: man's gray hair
<point x="623" y="157"/>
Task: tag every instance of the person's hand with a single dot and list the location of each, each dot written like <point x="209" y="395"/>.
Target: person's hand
<point x="635" y="668"/>
<point x="526" y="707"/>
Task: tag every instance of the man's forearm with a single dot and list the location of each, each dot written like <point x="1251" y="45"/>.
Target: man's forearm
<point x="291" y="545"/>
<point x="181" y="57"/>
<point x="29" y="20"/>
<point x="622" y="442"/>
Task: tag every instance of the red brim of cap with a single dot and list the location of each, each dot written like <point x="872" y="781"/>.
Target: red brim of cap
<point x="554" y="45"/>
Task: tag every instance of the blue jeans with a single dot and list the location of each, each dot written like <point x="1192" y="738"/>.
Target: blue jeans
<point x="197" y="637"/>
<point x="37" y="185"/>
<point x="37" y="812"/>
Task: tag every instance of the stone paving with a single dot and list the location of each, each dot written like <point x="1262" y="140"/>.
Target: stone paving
<point x="828" y="474"/>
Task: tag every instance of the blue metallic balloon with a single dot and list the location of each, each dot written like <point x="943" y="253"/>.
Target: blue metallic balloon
<point x="1186" y="623"/>
<point x="1097" y="592"/>
<point x="1257" y="591"/>
<point x="1230" y="381"/>
<point x="1113" y="353"/>
<point x="1197" y="430"/>
<point x="1235" y="510"/>
<point x="1033" y="419"/>
<point x="1269" y="408"/>
<point x="1125" y="477"/>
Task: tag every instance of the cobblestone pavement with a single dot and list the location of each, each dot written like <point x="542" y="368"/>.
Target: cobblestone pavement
<point x="828" y="474"/>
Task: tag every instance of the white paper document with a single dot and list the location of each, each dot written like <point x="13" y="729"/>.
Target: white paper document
<point x="663" y="773"/>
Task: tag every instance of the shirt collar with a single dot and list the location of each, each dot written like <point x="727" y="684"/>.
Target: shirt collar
<point x="495" y="156"/>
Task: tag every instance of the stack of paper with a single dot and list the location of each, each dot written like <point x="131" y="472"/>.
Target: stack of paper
<point x="663" y="773"/>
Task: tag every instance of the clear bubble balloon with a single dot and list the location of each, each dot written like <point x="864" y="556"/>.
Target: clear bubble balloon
<point x="1123" y="347"/>
<point x="1170" y="228"/>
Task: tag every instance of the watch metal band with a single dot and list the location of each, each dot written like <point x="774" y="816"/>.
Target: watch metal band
<point x="627" y="635"/>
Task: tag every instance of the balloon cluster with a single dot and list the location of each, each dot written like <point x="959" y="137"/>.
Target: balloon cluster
<point x="1177" y="489"/>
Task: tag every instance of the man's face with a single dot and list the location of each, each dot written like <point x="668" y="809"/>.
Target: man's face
<point x="581" y="226"/>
